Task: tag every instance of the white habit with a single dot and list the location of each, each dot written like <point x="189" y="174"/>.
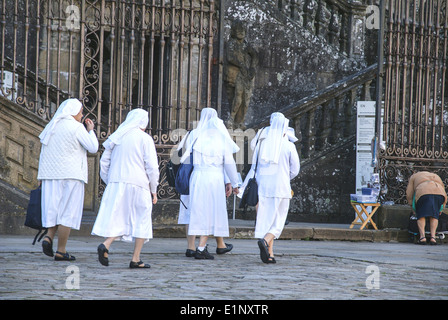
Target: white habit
<point x="130" y="169"/>
<point x="208" y="210"/>
<point x="278" y="163"/>
<point x="213" y="159"/>
<point x="63" y="166"/>
<point x="187" y="141"/>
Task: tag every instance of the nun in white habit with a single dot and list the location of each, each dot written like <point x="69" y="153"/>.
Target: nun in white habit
<point x="278" y="163"/>
<point x="130" y="169"/>
<point x="63" y="173"/>
<point x="213" y="151"/>
<point x="184" y="207"/>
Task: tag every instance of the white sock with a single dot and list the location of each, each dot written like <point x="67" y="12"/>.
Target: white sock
<point x="201" y="248"/>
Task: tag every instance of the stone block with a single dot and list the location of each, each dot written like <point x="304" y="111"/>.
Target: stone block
<point x="297" y="233"/>
<point x="341" y="234"/>
<point x="393" y="216"/>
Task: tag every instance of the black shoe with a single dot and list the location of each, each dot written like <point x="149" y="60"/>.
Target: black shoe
<point x="204" y="254"/>
<point x="228" y="248"/>
<point x="264" y="250"/>
<point x="47" y="246"/>
<point x="64" y="256"/>
<point x="138" y="265"/>
<point x="271" y="260"/>
<point x="101" y="258"/>
<point x="190" y="253"/>
<point x="433" y="243"/>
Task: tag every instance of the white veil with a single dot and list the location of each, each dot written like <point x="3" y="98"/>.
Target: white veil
<point x="206" y="115"/>
<point x="67" y="109"/>
<point x="289" y="133"/>
<point x="211" y="137"/>
<point x="274" y="135"/>
<point x="135" y="119"/>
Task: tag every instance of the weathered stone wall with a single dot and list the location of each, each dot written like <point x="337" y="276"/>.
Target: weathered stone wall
<point x="293" y="62"/>
<point x="322" y="189"/>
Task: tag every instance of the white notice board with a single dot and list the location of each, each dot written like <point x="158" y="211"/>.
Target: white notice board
<point x="365" y="132"/>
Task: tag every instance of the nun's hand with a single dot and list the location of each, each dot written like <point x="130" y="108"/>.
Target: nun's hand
<point x="228" y="189"/>
<point x="154" y="198"/>
<point x="89" y="124"/>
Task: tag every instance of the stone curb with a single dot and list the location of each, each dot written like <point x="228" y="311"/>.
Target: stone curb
<point x="244" y="229"/>
<point x="297" y="233"/>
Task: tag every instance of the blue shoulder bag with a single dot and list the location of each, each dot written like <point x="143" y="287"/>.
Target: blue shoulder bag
<point x="182" y="182"/>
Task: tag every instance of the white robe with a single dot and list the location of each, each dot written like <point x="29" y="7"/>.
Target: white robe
<point x="271" y="216"/>
<point x="184" y="211"/>
<point x="207" y="199"/>
<point x="184" y="206"/>
<point x="274" y="178"/>
<point x="62" y="203"/>
<point x="274" y="188"/>
<point x="131" y="172"/>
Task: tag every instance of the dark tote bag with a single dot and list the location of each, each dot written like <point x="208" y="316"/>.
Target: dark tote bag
<point x="183" y="176"/>
<point x="250" y="194"/>
<point x="171" y="171"/>
<point x="33" y="218"/>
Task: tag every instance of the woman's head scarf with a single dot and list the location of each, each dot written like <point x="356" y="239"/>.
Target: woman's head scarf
<point x="135" y="119"/>
<point x="67" y="109"/>
<point x="211" y="137"/>
<point x="206" y="115"/>
<point x="275" y="136"/>
<point x="262" y="134"/>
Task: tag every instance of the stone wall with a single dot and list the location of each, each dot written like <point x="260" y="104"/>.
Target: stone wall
<point x="293" y="62"/>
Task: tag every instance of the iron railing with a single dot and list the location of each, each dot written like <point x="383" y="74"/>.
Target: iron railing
<point x="415" y="97"/>
<point x="113" y="55"/>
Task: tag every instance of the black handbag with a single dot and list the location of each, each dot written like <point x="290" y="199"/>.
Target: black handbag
<point x="250" y="194"/>
<point x="171" y="171"/>
<point x="33" y="218"/>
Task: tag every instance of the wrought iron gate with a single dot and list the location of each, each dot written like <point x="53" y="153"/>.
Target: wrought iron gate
<point x="415" y="93"/>
<point x="113" y="55"/>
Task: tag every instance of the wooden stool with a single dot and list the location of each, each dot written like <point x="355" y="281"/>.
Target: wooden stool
<point x="363" y="221"/>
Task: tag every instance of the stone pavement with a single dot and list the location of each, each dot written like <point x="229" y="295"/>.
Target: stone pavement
<point x="333" y="270"/>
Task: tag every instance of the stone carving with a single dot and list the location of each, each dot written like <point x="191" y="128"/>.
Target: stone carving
<point x="310" y="9"/>
<point x="239" y="74"/>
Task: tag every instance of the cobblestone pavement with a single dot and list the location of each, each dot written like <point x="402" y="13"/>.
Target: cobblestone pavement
<point x="305" y="270"/>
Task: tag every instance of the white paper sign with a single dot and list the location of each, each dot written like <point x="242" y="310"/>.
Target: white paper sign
<point x="365" y="132"/>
